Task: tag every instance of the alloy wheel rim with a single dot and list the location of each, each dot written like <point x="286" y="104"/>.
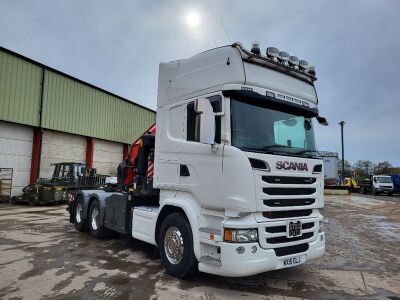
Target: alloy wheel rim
<point x="173" y="245"/>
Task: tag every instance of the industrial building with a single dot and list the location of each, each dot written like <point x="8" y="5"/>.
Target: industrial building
<point x="47" y="116"/>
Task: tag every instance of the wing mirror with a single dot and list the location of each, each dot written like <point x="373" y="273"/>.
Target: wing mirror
<point x="205" y="125"/>
<point x="323" y="121"/>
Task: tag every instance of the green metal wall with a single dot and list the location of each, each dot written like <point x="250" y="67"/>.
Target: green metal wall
<point x="20" y="85"/>
<point x="68" y="104"/>
<point x="73" y="107"/>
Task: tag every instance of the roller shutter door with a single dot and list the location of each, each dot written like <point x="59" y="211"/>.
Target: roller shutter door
<point x="60" y="147"/>
<point x="16" y="153"/>
<point x="107" y="156"/>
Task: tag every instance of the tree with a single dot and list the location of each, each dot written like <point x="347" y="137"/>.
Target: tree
<point x="364" y="168"/>
<point x="382" y="168"/>
<point x="347" y="168"/>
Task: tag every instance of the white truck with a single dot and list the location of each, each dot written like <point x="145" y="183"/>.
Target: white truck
<point x="377" y="184"/>
<point x="330" y="161"/>
<point x="231" y="184"/>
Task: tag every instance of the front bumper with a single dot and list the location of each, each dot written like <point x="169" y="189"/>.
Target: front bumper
<point x="263" y="260"/>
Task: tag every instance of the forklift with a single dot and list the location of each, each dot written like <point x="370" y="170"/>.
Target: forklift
<point x="67" y="177"/>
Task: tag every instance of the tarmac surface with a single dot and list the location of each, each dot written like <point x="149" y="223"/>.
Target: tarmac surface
<point x="42" y="256"/>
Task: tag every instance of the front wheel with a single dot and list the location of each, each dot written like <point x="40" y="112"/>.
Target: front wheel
<point x="175" y="244"/>
<point x="96" y="230"/>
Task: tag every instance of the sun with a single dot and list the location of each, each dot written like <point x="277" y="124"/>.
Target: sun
<point x="193" y="18"/>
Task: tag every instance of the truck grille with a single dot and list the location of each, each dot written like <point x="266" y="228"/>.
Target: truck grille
<point x="273" y="234"/>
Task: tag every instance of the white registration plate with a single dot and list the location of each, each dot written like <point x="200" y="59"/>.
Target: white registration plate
<point x="293" y="228"/>
<point x="293" y="261"/>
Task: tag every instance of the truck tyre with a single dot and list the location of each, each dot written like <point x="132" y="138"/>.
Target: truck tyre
<point x="96" y="230"/>
<point x="79" y="221"/>
<point x="175" y="243"/>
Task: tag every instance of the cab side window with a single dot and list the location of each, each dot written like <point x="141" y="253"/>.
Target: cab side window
<point x="191" y="128"/>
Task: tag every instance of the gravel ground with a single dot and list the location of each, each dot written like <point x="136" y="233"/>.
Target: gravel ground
<point x="42" y="256"/>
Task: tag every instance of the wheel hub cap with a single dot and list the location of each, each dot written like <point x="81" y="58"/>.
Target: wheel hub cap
<point x="94" y="218"/>
<point x="173" y="245"/>
<point x="78" y="213"/>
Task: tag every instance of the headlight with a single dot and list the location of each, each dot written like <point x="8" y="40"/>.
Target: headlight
<point x="240" y="235"/>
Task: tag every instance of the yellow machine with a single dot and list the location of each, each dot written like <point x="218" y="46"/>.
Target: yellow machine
<point x="352" y="183"/>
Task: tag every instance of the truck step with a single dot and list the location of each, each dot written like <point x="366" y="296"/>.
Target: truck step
<point x="210" y="260"/>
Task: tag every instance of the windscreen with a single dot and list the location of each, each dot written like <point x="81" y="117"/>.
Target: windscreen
<point x="260" y="129"/>
<point x="384" y="179"/>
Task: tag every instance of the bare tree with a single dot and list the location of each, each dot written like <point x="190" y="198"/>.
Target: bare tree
<point x="382" y="168"/>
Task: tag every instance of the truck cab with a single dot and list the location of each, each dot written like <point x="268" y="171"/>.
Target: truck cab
<point x="382" y="184"/>
<point x="232" y="184"/>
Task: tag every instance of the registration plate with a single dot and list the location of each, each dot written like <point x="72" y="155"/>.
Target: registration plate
<point x="293" y="229"/>
<point x="293" y="261"/>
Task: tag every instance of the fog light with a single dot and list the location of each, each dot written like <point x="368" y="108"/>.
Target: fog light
<point x="253" y="249"/>
<point x="240" y="250"/>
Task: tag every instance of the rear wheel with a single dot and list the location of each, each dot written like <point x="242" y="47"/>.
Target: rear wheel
<point x="78" y="214"/>
<point x="96" y="230"/>
<point x="175" y="243"/>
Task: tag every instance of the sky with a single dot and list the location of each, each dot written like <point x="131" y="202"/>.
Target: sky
<point x="117" y="45"/>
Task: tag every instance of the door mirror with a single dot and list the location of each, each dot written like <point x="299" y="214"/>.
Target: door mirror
<point x="323" y="121"/>
<point x="205" y="123"/>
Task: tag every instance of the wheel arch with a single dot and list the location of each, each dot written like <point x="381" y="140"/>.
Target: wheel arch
<point x="189" y="209"/>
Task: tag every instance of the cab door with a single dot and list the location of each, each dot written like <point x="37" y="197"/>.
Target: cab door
<point x="200" y="172"/>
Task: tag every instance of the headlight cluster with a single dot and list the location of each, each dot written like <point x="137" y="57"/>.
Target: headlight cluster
<point x="240" y="235"/>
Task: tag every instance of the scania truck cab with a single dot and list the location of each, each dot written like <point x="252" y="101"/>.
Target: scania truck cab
<point x="237" y="184"/>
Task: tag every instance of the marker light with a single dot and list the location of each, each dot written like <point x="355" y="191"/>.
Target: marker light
<point x="311" y="70"/>
<point x="283" y="57"/>
<point x="255" y="48"/>
<point x="303" y="64"/>
<point x="272" y="52"/>
<point x="294" y="61"/>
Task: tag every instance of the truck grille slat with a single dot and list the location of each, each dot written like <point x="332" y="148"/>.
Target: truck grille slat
<point x="284" y="239"/>
<point x="289" y="191"/>
<point x="283" y="251"/>
<point x="289" y="202"/>
<point x="277" y="229"/>
<point x="288" y="180"/>
<point x="287" y="214"/>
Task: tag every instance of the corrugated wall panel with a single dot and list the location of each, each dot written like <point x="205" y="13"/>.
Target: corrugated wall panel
<point x="20" y="85"/>
<point x="71" y="106"/>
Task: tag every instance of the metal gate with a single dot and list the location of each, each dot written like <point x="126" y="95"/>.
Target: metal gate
<point x="6" y="175"/>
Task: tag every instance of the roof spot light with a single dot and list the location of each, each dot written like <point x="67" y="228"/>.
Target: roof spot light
<point x="283" y="57"/>
<point x="303" y="65"/>
<point x="255" y="48"/>
<point x="272" y="52"/>
<point x="311" y="70"/>
<point x="294" y="61"/>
